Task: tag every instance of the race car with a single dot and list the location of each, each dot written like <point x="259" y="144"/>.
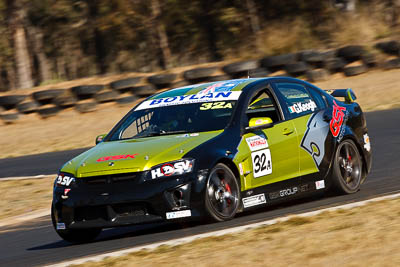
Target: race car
<point x="209" y="151"/>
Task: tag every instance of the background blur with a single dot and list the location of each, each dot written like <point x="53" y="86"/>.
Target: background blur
<point x="46" y="41"/>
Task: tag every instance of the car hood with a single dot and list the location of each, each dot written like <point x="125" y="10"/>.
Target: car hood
<point x="134" y="155"/>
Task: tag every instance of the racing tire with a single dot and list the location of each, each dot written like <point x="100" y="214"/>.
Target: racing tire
<point x="317" y="75"/>
<point x="355" y="70"/>
<point x="75" y="235"/>
<point x="46" y="96"/>
<point x="144" y="90"/>
<point x="106" y="96"/>
<point x="274" y="63"/>
<point x="199" y="73"/>
<point x="9" y="117"/>
<point x="86" y="107"/>
<point x="390" y="47"/>
<point x="334" y="65"/>
<point x="128" y="100"/>
<point x="259" y="73"/>
<point x="296" y="69"/>
<point x="27" y="107"/>
<point x="392" y="64"/>
<point x="162" y="80"/>
<point x="125" y="83"/>
<point x="218" y="78"/>
<point x="10" y="101"/>
<point x="65" y="101"/>
<point x="86" y="91"/>
<point x="222" y="194"/>
<point x="351" y="52"/>
<point x="48" y="111"/>
<point x="240" y="68"/>
<point x="347" y="168"/>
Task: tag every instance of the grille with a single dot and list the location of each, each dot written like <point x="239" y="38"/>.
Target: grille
<point x="110" y="179"/>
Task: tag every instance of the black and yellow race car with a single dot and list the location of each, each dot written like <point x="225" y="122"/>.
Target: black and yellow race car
<point x="212" y="150"/>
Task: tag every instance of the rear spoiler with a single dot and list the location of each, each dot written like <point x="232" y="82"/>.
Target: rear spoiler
<point x="348" y="94"/>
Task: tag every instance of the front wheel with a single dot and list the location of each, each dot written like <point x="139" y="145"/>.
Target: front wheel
<point x="75" y="235"/>
<point x="222" y="193"/>
<point x="347" y="168"/>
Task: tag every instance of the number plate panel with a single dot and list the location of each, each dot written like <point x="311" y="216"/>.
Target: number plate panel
<point x="262" y="163"/>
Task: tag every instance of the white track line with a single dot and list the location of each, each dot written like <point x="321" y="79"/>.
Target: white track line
<point x="27" y="177"/>
<point x="179" y="241"/>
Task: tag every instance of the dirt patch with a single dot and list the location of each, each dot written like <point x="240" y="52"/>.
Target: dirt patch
<point x="21" y="197"/>
<point x="69" y="130"/>
<point x="369" y="234"/>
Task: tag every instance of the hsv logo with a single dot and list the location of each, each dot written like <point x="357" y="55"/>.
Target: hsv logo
<point x="169" y="169"/>
<point x="337" y="119"/>
<point x="117" y="157"/>
<point x="64" y="180"/>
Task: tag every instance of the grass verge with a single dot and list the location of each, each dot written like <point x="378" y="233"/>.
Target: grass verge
<point x="20" y="197"/>
<point x="365" y="235"/>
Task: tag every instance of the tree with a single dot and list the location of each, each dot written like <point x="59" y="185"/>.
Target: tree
<point x="16" y="21"/>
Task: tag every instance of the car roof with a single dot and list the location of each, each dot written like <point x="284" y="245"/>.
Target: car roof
<point x="218" y="86"/>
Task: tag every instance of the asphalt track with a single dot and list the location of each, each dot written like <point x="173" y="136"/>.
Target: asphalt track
<point x="36" y="243"/>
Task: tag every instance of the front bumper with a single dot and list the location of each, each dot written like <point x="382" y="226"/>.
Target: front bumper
<point x="126" y="199"/>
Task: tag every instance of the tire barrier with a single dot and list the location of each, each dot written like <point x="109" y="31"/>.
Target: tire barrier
<point x="199" y="74"/>
<point x="86" y="91"/>
<point x="46" y="96"/>
<point x="86" y="107"/>
<point x="312" y="65"/>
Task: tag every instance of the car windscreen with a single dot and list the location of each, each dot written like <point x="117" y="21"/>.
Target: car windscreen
<point x="187" y="118"/>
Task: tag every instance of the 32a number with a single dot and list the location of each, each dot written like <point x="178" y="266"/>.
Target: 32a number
<point x="215" y="105"/>
<point x="260" y="163"/>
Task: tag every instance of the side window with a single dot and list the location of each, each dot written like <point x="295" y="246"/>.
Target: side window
<point x="318" y="98"/>
<point x="297" y="99"/>
<point x="263" y="105"/>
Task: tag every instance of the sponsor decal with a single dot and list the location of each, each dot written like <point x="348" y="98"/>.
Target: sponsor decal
<point x="117" y="157"/>
<point x="288" y="191"/>
<point x="262" y="163"/>
<point x="178" y="214"/>
<point x="257" y="142"/>
<point x="314" y="138"/>
<point x="367" y="144"/>
<point x="320" y="184"/>
<point x="190" y="99"/>
<point x="302" y="107"/>
<point x="254" y="200"/>
<point x="169" y="169"/>
<point x="64" y="180"/>
<point x="337" y="120"/>
<point x="60" y="226"/>
<point x="220" y="87"/>
<point x="66" y="191"/>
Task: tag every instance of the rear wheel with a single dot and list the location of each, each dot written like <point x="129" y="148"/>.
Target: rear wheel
<point x="75" y="235"/>
<point x="222" y="193"/>
<point x="347" y="168"/>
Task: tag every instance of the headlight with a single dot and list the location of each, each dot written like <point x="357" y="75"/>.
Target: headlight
<point x="172" y="168"/>
<point x="64" y="179"/>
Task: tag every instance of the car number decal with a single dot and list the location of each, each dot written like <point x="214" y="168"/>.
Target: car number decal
<point x="262" y="163"/>
<point x="215" y="105"/>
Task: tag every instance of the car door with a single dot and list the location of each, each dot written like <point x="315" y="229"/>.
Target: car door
<point x="306" y="110"/>
<point x="270" y="155"/>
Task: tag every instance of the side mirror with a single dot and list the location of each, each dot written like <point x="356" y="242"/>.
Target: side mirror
<point x="259" y="123"/>
<point x="100" y="138"/>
